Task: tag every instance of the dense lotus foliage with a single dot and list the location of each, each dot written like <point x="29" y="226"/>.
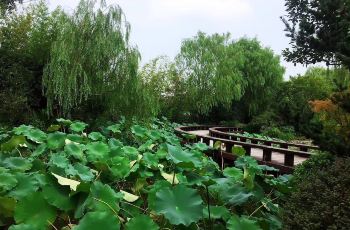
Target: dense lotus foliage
<point x="133" y="176"/>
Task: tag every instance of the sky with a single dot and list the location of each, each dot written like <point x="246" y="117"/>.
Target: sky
<point x="159" y="26"/>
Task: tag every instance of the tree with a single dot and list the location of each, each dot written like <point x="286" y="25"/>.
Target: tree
<point x="208" y="64"/>
<point x="25" y="40"/>
<point x="294" y="95"/>
<point x="9" y="4"/>
<point x="262" y="74"/>
<point x="165" y="87"/>
<point x="91" y="61"/>
<point x="318" y="31"/>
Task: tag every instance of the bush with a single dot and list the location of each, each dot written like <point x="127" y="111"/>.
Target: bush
<point x="321" y="200"/>
<point x="315" y="162"/>
<point x="285" y="133"/>
<point x="258" y="123"/>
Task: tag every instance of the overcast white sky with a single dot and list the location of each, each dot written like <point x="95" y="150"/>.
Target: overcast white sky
<point x="159" y="26"/>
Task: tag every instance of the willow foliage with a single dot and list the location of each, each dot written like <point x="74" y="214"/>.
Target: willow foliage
<point x="208" y="65"/>
<point x="92" y="58"/>
<point x="262" y="72"/>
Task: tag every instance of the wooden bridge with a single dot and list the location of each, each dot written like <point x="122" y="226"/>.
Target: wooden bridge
<point x="278" y="154"/>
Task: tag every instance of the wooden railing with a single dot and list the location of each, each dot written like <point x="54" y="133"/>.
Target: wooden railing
<point x="266" y="146"/>
<point x="234" y="134"/>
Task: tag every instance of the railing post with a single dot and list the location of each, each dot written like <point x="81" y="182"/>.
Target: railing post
<point x="267" y="154"/>
<point x="289" y="159"/>
<point x="247" y="150"/>
<point x="206" y="141"/>
<point x="229" y="147"/>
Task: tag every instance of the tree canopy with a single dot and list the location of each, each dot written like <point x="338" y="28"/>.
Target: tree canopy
<point x="91" y="58"/>
<point x="318" y="31"/>
<point x="207" y="63"/>
<point x="262" y="74"/>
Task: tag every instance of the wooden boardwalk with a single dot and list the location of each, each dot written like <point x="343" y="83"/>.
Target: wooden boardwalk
<point x="255" y="152"/>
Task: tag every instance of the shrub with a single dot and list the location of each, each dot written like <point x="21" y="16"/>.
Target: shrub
<point x="286" y="133"/>
<point x="321" y="200"/>
<point x="315" y="162"/>
<point x="266" y="119"/>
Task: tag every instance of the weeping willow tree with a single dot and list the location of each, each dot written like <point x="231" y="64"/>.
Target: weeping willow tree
<point x="209" y="67"/>
<point x="92" y="60"/>
<point x="262" y="71"/>
<point x="165" y="87"/>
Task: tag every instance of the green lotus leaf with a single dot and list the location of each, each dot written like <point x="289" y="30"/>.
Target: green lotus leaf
<point x="141" y="222"/>
<point x="96" y="136"/>
<point x="183" y="158"/>
<point x="7" y="206"/>
<point x="41" y="149"/>
<point x="22" y="129"/>
<point x="64" y="121"/>
<point x="26" y="185"/>
<point x="114" y="128"/>
<point x="76" y="138"/>
<point x="101" y="195"/>
<point x="34" y="210"/>
<point x="7" y="182"/>
<point x="69" y="171"/>
<point x="98" y="220"/>
<point x="179" y="204"/>
<point x="24" y="227"/>
<point x="97" y="151"/>
<point x="216" y="212"/>
<point x="158" y="185"/>
<point x="150" y="160"/>
<point x="189" y="136"/>
<point x="53" y="128"/>
<point x="161" y="153"/>
<point x="138" y="131"/>
<point x="238" y="151"/>
<point x="36" y="135"/>
<point x="114" y="143"/>
<point x="78" y="126"/>
<point x="234" y="173"/>
<point x="59" y="160"/>
<point x="83" y="172"/>
<point x="58" y="196"/>
<point x="56" y="140"/>
<point x="13" y="143"/>
<point x="75" y="151"/>
<point x="242" y="223"/>
<point x="131" y="152"/>
<point x="120" y="167"/>
<point x="154" y="135"/>
<point x="234" y="194"/>
<point x="17" y="164"/>
<point x="149" y="145"/>
<point x="201" y="146"/>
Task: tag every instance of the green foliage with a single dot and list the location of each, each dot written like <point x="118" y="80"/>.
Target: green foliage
<point x="141" y="179"/>
<point x="25" y="40"/>
<point x="315" y="162"/>
<point x="9" y="4"/>
<point x="285" y="133"/>
<point x="91" y="58"/>
<point x="292" y="100"/>
<point x="321" y="199"/>
<point x="165" y="88"/>
<point x="318" y="31"/>
<point x="206" y="62"/>
<point x="262" y="74"/>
